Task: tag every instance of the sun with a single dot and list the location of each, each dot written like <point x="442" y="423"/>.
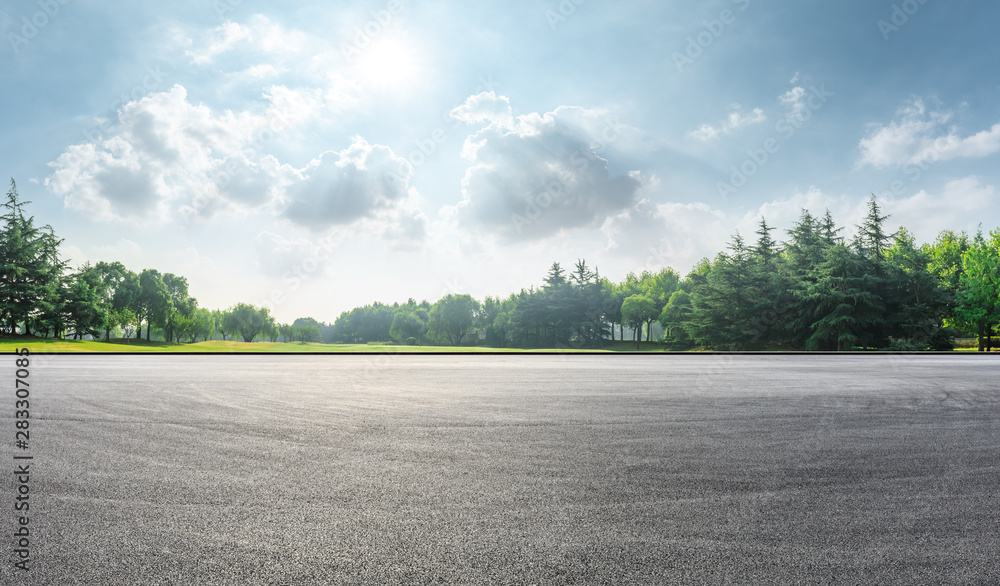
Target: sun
<point x="390" y="64"/>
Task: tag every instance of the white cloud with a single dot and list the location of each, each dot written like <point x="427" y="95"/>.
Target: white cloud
<point x="539" y="174"/>
<point x="956" y="207"/>
<point x="340" y="187"/>
<point x="794" y="101"/>
<point x="168" y="159"/>
<point x="261" y="71"/>
<point x="259" y="34"/>
<point x="485" y="107"/>
<point x="224" y="38"/>
<point x="735" y="121"/>
<point x="162" y="151"/>
<point x="919" y="135"/>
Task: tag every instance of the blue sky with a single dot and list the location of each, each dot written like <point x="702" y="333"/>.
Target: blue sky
<point x="316" y="156"/>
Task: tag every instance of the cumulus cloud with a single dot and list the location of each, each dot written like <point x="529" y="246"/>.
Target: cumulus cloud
<point x="169" y="159"/>
<point x="162" y="152"/>
<point x="485" y="107"/>
<point x="735" y="121"/>
<point x="338" y="188"/>
<point x="920" y="135"/>
<point x="537" y="175"/>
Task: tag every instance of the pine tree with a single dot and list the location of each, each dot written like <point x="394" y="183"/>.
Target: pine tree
<point x="31" y="287"/>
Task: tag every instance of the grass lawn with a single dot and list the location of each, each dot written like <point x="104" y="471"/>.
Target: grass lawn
<point x="41" y="345"/>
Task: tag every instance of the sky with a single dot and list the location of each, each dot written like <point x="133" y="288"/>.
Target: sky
<point x="315" y="156"/>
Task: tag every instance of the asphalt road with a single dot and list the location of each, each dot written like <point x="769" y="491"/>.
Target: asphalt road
<point x="509" y="470"/>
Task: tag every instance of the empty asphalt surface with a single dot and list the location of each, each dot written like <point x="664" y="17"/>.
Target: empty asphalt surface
<point x="509" y="470"/>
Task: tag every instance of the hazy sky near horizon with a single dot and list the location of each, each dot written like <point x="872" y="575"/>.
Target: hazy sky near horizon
<point x="315" y="156"/>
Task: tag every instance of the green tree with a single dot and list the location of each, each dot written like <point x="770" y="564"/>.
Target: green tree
<point x="673" y="317"/>
<point x="979" y="289"/>
<point x="638" y="310"/>
<point x="219" y="319"/>
<point x="248" y="320"/>
<point x="452" y="318"/>
<point x="919" y="300"/>
<point x="405" y="325"/>
<point x="129" y="322"/>
<point x="30" y="270"/>
<point x="724" y="301"/>
<point x="181" y="307"/>
<point x="153" y="303"/>
<point x="201" y="323"/>
<point x="86" y="309"/>
<point x="846" y="307"/>
<point x="121" y="291"/>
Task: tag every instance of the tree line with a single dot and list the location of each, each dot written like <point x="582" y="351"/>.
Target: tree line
<point x="815" y="290"/>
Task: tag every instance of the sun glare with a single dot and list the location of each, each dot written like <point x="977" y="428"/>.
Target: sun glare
<point x="389" y="64"/>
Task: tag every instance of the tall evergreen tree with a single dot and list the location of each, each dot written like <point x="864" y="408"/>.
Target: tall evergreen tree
<point x="31" y="288"/>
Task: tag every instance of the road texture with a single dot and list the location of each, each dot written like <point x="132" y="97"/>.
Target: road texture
<point x="509" y="470"/>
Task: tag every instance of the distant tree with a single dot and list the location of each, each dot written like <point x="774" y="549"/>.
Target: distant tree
<point x="86" y="310"/>
<point x="200" y="323"/>
<point x="219" y="319"/>
<point x="407" y="325"/>
<point x="724" y="301"/>
<point x="121" y="291"/>
<point x="153" y="304"/>
<point x="248" y="320"/>
<point x="638" y="310"/>
<point x="556" y="276"/>
<point x="181" y="308"/>
<point x="979" y="289"/>
<point x="128" y="321"/>
<point x="673" y="317"/>
<point x="308" y="333"/>
<point x="918" y="300"/>
<point x="846" y="307"/>
<point x="452" y="318"/>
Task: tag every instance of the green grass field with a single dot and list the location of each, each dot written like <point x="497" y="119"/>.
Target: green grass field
<point x="41" y="345"/>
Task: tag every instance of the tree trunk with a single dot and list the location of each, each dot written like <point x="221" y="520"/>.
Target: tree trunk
<point x="980" y="337"/>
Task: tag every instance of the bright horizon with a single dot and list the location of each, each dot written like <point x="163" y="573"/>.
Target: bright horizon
<point x="379" y="151"/>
